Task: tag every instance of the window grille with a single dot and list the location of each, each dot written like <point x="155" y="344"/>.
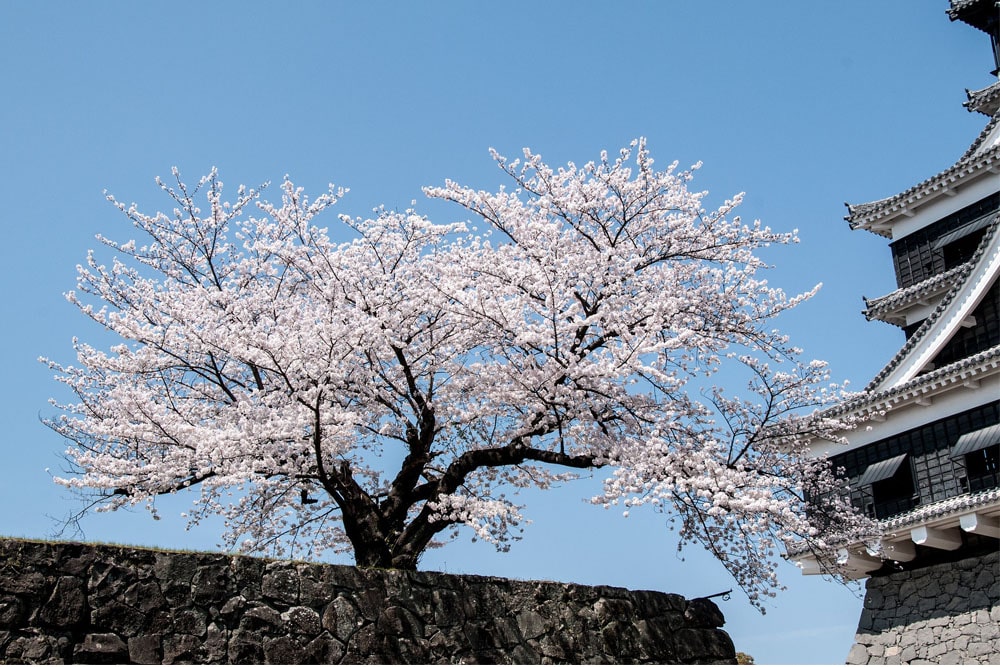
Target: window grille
<point x="935" y="474"/>
<point x="920" y="255"/>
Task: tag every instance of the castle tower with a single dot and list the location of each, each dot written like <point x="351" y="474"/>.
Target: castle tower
<point x="926" y="465"/>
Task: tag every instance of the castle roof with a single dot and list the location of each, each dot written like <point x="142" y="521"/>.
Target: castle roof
<point x="970" y="284"/>
<point x="983" y="156"/>
<point x="941" y="509"/>
<point x="959" y="373"/>
<point x="940" y="514"/>
<point x="985" y="100"/>
<point x="981" y="14"/>
<point x="889" y="308"/>
<point x="901" y="381"/>
<point x="893" y="307"/>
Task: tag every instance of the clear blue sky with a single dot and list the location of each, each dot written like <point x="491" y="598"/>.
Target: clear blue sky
<point x="803" y="105"/>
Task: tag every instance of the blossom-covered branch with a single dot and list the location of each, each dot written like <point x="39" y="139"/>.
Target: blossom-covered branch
<point x="374" y="393"/>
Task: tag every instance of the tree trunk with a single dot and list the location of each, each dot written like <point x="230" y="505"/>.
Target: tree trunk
<point x="374" y="555"/>
<point x="405" y="562"/>
<point x="373" y="552"/>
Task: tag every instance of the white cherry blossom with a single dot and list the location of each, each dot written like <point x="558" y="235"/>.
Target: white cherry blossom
<point x="372" y="395"/>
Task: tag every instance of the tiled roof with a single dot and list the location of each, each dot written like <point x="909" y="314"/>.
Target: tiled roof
<point x="955" y="372"/>
<point x="977" y="145"/>
<point x="878" y="308"/>
<point x="918" y="516"/>
<point x="972" y="11"/>
<point x="958" y="6"/>
<point x="985" y="100"/>
<point x="930" y="322"/>
<point x="987" y="360"/>
<point x="975" y="159"/>
<point x="941" y="508"/>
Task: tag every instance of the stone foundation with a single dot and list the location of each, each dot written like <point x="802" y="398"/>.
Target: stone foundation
<point x="67" y="602"/>
<point x="940" y="614"/>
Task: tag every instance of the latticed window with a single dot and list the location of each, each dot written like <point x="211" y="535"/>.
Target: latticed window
<point x="943" y="245"/>
<point x="888" y="487"/>
<point x="980" y="451"/>
<point x="926" y="464"/>
<point x="983" y="469"/>
<point x="982" y="333"/>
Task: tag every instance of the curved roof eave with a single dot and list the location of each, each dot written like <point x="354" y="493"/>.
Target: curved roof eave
<point x="958" y="373"/>
<point x="886" y="390"/>
<point x="922" y="515"/>
<point x="968" y="289"/>
<point x="884" y="307"/>
<point x="874" y="216"/>
<point x="985" y="100"/>
<point x="976" y="13"/>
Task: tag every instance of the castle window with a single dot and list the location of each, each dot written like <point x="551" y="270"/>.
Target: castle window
<point x="983" y="333"/>
<point x="981" y="451"/>
<point x="937" y="472"/>
<point x="944" y="244"/>
<point x="960" y="244"/>
<point x="889" y="485"/>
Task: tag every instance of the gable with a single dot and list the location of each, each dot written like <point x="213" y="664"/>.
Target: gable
<point x="945" y="323"/>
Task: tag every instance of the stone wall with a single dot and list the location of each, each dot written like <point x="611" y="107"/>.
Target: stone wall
<point x="940" y="614"/>
<point x="68" y="602"/>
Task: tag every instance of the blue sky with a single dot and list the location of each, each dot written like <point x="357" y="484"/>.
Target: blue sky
<point x="802" y="105"/>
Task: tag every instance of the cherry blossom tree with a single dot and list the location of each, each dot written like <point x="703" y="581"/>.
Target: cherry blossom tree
<point x="378" y="393"/>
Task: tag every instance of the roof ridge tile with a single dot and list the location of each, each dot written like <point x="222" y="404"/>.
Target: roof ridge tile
<point x="973" y="159"/>
<point x="877" y="306"/>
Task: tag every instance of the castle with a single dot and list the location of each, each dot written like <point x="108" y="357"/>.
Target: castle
<point x="926" y="467"/>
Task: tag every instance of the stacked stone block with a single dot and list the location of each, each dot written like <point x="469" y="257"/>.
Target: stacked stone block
<point x="941" y="614"/>
<point x="67" y="602"/>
